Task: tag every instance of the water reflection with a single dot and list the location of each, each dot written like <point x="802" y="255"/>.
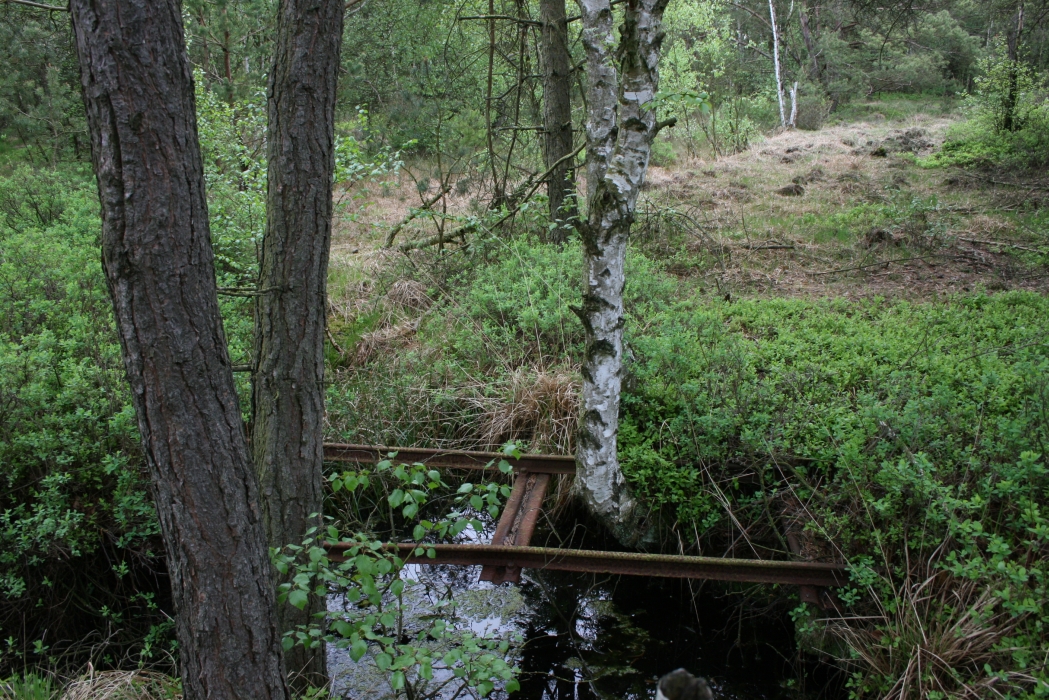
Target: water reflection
<point x="600" y="637"/>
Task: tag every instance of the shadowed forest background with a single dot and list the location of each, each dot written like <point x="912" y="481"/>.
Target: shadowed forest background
<point x="836" y="319"/>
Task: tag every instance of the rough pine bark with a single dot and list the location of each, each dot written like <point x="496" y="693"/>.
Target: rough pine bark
<point x="810" y="45"/>
<point x="158" y="263"/>
<point x="620" y="128"/>
<point x="557" y="113"/>
<point x="1012" y="45"/>
<point x="288" y="387"/>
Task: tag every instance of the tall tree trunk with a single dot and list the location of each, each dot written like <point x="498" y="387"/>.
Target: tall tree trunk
<point x="557" y="113"/>
<point x="775" y="63"/>
<point x="288" y="388"/>
<point x="810" y="45"/>
<point x="1009" y="122"/>
<point x="619" y="134"/>
<point x="158" y="262"/>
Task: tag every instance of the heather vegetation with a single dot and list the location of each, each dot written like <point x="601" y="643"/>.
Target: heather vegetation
<point x="835" y="329"/>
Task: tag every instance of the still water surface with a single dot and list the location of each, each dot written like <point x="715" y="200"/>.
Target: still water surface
<point x="590" y="637"/>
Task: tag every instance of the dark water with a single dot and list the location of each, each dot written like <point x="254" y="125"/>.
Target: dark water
<point x="612" y="637"/>
<point x="600" y="637"/>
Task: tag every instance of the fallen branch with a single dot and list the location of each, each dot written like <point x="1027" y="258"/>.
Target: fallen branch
<point x="775" y="245"/>
<point x="1031" y="185"/>
<point x="414" y="214"/>
<point x="1003" y="347"/>
<point x="999" y="243"/>
<point x="331" y="339"/>
<point x="873" y="264"/>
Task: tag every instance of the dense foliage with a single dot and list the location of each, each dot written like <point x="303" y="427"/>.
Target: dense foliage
<point x="73" y="486"/>
<point x="911" y="434"/>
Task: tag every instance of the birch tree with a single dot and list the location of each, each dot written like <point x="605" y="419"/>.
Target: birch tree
<point x="621" y="124"/>
<point x="775" y="63"/>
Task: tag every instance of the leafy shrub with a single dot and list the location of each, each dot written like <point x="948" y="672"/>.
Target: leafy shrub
<point x="912" y="432"/>
<point x="73" y="486"/>
<point x="906" y="428"/>
<point x="1008" y="124"/>
<point x="378" y="593"/>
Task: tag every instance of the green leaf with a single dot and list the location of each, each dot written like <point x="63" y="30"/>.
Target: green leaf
<point x="476" y="502"/>
<point x="466" y="488"/>
<point x="344" y="628"/>
<point x="512" y="686"/>
<point x="358" y="649"/>
<point x="336" y="485"/>
<point x="298" y="599"/>
<point x="396" y="498"/>
<point x="388" y="620"/>
<point x="383" y="661"/>
<point x="397" y="680"/>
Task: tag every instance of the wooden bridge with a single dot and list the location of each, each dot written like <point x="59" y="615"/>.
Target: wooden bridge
<point x="511" y="551"/>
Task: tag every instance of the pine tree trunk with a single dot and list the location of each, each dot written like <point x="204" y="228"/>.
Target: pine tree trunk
<point x="158" y="263"/>
<point x="620" y="129"/>
<point x="288" y="389"/>
<point x="810" y="45"/>
<point x="1009" y="122"/>
<point x="557" y="113"/>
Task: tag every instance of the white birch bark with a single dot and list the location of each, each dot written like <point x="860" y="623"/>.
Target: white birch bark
<point x="793" y="105"/>
<point x="775" y="61"/>
<point x="620" y="128"/>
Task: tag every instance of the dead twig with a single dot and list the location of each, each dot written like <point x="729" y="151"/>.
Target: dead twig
<point x="999" y="243"/>
<point x="1005" y="183"/>
<point x="873" y="264"/>
<point x="473" y="225"/>
<point x="427" y="203"/>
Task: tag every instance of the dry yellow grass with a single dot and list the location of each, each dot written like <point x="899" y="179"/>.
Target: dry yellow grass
<point x="123" y="685"/>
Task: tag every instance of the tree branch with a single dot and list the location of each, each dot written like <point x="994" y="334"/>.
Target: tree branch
<point x="413" y="214"/>
<point x="463" y="230"/>
<point x="509" y="18"/>
<point x="664" y="124"/>
<point x="36" y="5"/>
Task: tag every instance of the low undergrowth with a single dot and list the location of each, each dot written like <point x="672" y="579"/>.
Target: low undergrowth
<point x="906" y="438"/>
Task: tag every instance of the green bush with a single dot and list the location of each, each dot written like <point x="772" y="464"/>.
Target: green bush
<point x="914" y="432"/>
<point x="74" y="494"/>
<point x="1008" y="120"/>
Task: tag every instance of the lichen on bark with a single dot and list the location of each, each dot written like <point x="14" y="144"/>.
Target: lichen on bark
<point x="622" y="80"/>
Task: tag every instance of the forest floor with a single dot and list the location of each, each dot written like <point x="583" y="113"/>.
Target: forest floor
<point x="847" y="211"/>
<point x="827" y="327"/>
